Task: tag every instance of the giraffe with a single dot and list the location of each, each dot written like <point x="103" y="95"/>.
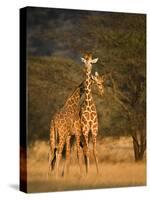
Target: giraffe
<point x="64" y="124"/>
<point x="54" y="137"/>
<point x="89" y="119"/>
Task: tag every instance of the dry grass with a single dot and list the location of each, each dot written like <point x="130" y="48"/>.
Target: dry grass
<point x="116" y="162"/>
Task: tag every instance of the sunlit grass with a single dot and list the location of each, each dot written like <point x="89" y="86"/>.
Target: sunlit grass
<point x="116" y="163"/>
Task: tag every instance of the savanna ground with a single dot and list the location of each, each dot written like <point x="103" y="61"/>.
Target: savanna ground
<point x="116" y="163"/>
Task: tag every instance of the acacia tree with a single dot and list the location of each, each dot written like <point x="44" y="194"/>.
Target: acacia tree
<point x="130" y="95"/>
<point x="119" y="42"/>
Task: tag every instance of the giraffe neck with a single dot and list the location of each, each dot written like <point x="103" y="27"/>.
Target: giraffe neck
<point x="73" y="101"/>
<point x="88" y="84"/>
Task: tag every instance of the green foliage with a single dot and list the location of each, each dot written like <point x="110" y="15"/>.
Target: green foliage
<point x="119" y="42"/>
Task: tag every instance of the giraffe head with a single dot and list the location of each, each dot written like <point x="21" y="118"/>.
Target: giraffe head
<point x="99" y="80"/>
<point x="88" y="61"/>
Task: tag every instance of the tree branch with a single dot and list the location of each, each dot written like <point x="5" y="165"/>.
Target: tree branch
<point x="116" y="98"/>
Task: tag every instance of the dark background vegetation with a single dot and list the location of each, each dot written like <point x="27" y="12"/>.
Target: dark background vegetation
<point x="57" y="38"/>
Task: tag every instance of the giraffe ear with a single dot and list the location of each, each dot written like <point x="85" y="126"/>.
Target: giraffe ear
<point x="83" y="60"/>
<point x="96" y="74"/>
<point x="94" y="60"/>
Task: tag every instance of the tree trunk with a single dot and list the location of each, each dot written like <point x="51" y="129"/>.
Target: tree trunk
<point x="139" y="146"/>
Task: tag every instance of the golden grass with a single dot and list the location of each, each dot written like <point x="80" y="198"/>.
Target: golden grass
<point x="116" y="163"/>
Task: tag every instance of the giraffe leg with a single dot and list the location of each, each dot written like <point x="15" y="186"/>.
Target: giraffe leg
<point x="52" y="160"/>
<point x="86" y="151"/>
<point x="52" y="150"/>
<point x="67" y="162"/>
<point x="59" y="154"/>
<point x="79" y="153"/>
<point x="95" y="152"/>
<point x="49" y="163"/>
